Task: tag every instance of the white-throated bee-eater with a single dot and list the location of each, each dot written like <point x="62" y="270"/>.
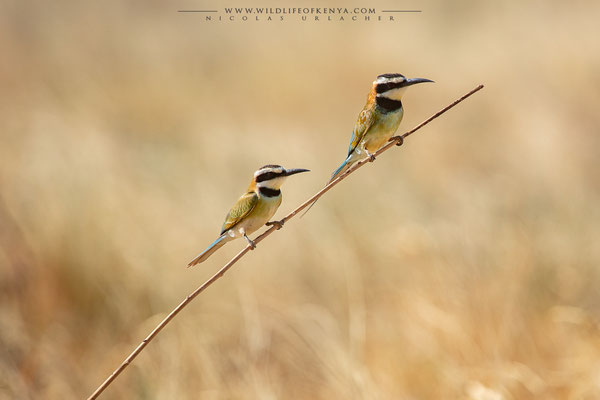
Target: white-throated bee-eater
<point x="378" y="120"/>
<point x="253" y="210"/>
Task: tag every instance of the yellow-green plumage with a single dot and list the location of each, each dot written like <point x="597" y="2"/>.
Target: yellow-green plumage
<point x="250" y="212"/>
<point x="373" y="129"/>
<point x="240" y="209"/>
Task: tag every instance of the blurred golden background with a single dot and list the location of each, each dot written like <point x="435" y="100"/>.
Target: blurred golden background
<point x="462" y="266"/>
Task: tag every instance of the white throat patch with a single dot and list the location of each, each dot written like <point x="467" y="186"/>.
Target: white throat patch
<point x="393" y="94"/>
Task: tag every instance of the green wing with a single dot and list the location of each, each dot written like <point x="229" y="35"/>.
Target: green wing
<point x="240" y="209"/>
<point x="365" y="120"/>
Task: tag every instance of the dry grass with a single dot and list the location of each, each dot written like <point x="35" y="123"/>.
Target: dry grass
<point x="464" y="266"/>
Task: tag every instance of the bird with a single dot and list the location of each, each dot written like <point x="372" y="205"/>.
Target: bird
<point x="253" y="209"/>
<point x="378" y="120"/>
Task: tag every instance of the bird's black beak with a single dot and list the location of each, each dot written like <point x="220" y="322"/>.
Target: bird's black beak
<point x="414" y="81"/>
<point x="293" y="171"/>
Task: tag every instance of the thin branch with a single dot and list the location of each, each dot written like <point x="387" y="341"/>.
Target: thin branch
<point x="393" y="141"/>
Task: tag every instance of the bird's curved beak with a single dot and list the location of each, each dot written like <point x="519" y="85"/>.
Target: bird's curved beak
<point x="414" y="81"/>
<point x="293" y="171"/>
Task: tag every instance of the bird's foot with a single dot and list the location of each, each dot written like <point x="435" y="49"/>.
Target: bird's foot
<point x="400" y="140"/>
<point x="371" y="156"/>
<point x="250" y="242"/>
<point x="276" y="224"/>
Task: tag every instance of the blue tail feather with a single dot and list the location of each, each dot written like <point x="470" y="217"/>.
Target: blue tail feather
<point x="209" y="250"/>
<point x="338" y="171"/>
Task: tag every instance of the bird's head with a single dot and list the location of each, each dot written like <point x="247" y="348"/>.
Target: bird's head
<point x="273" y="176"/>
<point x="393" y="86"/>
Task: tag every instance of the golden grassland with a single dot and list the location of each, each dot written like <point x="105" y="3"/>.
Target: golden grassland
<point x="464" y="265"/>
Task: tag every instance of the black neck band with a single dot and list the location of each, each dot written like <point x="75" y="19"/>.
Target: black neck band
<point x="388" y="104"/>
<point x="265" y="191"/>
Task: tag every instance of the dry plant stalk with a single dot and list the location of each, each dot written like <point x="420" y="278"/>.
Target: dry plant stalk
<point x="396" y="140"/>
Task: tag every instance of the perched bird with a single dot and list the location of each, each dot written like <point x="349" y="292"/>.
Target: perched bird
<point x="253" y="209"/>
<point x="378" y="120"/>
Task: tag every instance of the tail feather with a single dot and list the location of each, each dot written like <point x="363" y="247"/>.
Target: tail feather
<point x="216" y="245"/>
<point x="342" y="168"/>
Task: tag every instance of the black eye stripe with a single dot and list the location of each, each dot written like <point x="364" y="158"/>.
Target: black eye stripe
<point x="265" y="176"/>
<point x="384" y="87"/>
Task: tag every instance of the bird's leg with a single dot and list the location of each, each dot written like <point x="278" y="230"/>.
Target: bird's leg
<point x="277" y="224"/>
<point x="371" y="156"/>
<point x="250" y="242"/>
<point x="400" y="141"/>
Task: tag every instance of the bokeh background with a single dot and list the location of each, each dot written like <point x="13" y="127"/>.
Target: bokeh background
<point x="463" y="265"/>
